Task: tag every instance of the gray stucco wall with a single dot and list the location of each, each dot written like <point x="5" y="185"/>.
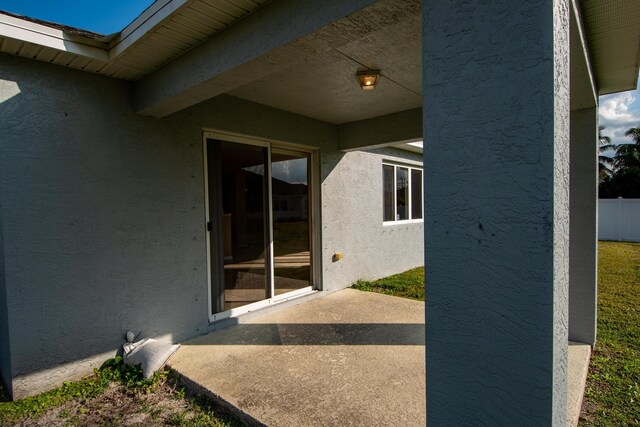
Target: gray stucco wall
<point x="5" y="353"/>
<point x="352" y="219"/>
<point x="103" y="223"/>
<point x="103" y="216"/>
<point x="496" y="117"/>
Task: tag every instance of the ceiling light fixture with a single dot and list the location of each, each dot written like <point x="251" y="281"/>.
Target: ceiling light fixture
<point x="368" y="79"/>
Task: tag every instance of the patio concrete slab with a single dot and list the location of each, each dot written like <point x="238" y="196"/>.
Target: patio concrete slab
<point x="350" y="358"/>
<point x="578" y="356"/>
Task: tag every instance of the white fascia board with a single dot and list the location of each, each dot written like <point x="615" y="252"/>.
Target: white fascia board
<point x="577" y="13"/>
<point x="40" y="35"/>
<point x="153" y="16"/>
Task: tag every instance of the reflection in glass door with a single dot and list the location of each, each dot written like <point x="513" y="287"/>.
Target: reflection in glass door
<point x="259" y="222"/>
<point x="290" y="205"/>
<point x="237" y="209"/>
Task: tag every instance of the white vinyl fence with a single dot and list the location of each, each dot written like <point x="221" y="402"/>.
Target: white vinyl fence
<point x="619" y="219"/>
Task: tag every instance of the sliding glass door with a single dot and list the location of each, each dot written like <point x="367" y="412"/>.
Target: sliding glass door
<point x="259" y="222"/>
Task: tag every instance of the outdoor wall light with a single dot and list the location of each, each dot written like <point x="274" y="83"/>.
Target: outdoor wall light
<point x="368" y="79"/>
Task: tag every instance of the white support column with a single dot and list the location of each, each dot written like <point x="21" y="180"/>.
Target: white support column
<point x="583" y="261"/>
<point x="496" y="157"/>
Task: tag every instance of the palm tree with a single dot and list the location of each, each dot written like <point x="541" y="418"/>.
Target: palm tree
<point x="628" y="155"/>
<point x="605" y="163"/>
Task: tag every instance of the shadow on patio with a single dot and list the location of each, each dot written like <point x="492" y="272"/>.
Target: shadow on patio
<point x="317" y="334"/>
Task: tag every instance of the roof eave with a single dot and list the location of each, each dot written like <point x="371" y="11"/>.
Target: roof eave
<point x="148" y="20"/>
<point x="38" y="34"/>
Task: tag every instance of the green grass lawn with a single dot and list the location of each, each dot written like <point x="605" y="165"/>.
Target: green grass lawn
<point x="115" y="395"/>
<point x="409" y="284"/>
<point x="612" y="396"/>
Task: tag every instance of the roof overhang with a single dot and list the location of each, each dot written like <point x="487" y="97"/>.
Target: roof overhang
<point x="414" y="147"/>
<point x="168" y="29"/>
<point x="162" y="33"/>
<point x="46" y="36"/>
<point x="613" y="34"/>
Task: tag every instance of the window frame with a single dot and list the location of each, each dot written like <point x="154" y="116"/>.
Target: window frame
<point x="410" y="168"/>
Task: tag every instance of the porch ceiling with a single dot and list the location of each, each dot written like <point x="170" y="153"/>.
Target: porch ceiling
<point x="307" y="68"/>
<point x="325" y="87"/>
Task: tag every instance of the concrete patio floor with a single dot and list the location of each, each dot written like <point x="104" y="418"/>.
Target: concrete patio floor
<point x="349" y="358"/>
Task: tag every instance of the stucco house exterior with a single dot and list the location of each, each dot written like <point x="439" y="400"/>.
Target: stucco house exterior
<point x="216" y="157"/>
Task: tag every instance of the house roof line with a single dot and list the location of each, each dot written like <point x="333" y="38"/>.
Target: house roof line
<point x="151" y="17"/>
<point x="52" y="35"/>
<point x="62" y="27"/>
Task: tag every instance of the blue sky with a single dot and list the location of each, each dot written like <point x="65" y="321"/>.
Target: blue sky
<point x="103" y="17"/>
<point x="618" y="112"/>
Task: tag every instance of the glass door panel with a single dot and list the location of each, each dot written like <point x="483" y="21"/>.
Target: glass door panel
<point x="291" y="223"/>
<point x="244" y="202"/>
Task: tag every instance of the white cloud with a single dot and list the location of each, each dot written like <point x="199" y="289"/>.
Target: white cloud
<point x="618" y="113"/>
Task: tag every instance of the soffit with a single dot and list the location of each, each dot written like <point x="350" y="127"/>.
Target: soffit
<point x="54" y="43"/>
<point x="613" y="34"/>
<point x="166" y="30"/>
<point x="178" y="30"/>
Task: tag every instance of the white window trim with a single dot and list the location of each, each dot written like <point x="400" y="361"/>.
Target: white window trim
<point x="410" y="205"/>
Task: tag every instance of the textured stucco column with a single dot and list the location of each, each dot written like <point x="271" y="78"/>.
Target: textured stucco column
<point x="583" y="261"/>
<point x="496" y="157"/>
<point x="5" y="353"/>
